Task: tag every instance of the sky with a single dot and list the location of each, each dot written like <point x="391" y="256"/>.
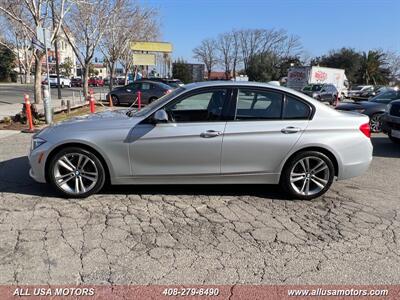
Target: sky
<point x="321" y="25"/>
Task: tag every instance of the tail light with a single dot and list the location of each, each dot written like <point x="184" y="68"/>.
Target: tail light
<point x="167" y="92"/>
<point x="364" y="128"/>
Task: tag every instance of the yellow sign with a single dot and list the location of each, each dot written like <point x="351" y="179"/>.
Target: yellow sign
<point x="141" y="59"/>
<point x="151" y="46"/>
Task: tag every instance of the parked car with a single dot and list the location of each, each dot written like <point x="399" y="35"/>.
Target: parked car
<point x="150" y="91"/>
<point x="391" y="121"/>
<point x="175" y="83"/>
<point x="355" y="91"/>
<point x="76" y="82"/>
<point x="311" y="89"/>
<point x="95" y="81"/>
<point x="327" y="93"/>
<point x="374" y="108"/>
<point x="207" y="133"/>
<point x="64" y="81"/>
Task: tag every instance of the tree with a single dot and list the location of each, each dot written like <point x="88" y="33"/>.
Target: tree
<point x="31" y="15"/>
<point x="374" y="68"/>
<point x="66" y="67"/>
<point x="263" y="67"/>
<point x="207" y="54"/>
<point x="129" y="23"/>
<point x="180" y="70"/>
<point x="85" y="28"/>
<point x="7" y="59"/>
<point x="393" y="60"/>
<point x="225" y="48"/>
<point x="267" y="42"/>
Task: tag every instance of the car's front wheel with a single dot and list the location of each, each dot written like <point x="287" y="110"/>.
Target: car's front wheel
<point x="307" y="175"/>
<point x="76" y="172"/>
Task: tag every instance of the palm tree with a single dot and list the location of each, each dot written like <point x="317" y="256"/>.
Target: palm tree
<point x="374" y="68"/>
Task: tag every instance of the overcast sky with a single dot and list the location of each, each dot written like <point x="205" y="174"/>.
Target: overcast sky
<point x="321" y="25"/>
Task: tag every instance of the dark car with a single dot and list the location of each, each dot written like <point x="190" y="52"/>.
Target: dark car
<point x="175" y="83"/>
<point x="374" y="107"/>
<point x="311" y="89"/>
<point x="391" y="121"/>
<point x="150" y="91"/>
<point x="327" y="93"/>
<point x="76" y="82"/>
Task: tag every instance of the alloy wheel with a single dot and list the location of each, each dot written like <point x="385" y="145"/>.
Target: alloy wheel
<point x="375" y="123"/>
<point x="309" y="175"/>
<point x="75" y="173"/>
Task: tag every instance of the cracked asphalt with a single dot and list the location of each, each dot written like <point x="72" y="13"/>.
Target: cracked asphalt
<point x="200" y="234"/>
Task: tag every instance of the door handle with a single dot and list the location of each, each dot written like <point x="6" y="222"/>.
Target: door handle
<point x="210" y="134"/>
<point x="290" y="129"/>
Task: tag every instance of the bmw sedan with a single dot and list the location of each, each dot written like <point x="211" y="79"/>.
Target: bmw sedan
<point x="374" y="108"/>
<point x="150" y="91"/>
<point x="207" y="133"/>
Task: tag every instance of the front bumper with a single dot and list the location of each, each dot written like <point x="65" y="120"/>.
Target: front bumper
<point x="37" y="159"/>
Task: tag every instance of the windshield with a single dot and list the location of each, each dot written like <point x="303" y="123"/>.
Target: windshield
<point x="152" y="105"/>
<point x="386" y="97"/>
<point x="314" y="88"/>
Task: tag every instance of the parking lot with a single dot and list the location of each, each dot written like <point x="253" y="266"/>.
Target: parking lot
<point x="200" y="234"/>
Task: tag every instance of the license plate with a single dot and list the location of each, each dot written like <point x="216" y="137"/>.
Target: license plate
<point x="396" y="133"/>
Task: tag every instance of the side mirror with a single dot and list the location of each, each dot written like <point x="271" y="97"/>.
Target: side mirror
<point x="160" y="116"/>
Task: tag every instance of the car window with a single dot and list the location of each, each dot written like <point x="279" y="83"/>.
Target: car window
<point x="201" y="107"/>
<point x="296" y="109"/>
<point x="386" y="97"/>
<point x="145" y="86"/>
<point x="258" y="105"/>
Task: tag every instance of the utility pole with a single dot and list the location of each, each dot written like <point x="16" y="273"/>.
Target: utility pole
<point x="56" y="50"/>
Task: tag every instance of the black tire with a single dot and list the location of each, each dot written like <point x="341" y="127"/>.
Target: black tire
<point x="394" y="140"/>
<point x="76" y="150"/>
<point x="115" y="100"/>
<point x="285" y="180"/>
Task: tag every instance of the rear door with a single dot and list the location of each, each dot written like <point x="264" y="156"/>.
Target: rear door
<point x="266" y="125"/>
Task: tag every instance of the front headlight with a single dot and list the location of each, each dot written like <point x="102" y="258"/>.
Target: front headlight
<point x="36" y="142"/>
<point x="388" y="107"/>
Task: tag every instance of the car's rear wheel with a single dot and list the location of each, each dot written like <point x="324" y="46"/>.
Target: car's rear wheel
<point x="307" y="175"/>
<point x="115" y="100"/>
<point x="76" y="172"/>
<point x="375" y="123"/>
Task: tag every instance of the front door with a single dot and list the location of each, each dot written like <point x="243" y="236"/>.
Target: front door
<point x="267" y="124"/>
<point x="189" y="144"/>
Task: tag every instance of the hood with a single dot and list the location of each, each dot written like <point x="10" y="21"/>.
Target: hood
<point x="98" y="121"/>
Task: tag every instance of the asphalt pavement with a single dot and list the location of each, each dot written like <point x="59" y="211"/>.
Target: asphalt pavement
<point x="200" y="234"/>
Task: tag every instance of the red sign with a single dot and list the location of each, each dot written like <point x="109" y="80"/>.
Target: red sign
<point x="321" y="76"/>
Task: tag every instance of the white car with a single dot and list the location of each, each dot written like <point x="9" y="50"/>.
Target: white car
<point x="64" y="81"/>
<point x="358" y="89"/>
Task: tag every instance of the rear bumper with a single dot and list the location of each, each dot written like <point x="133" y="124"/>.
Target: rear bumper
<point x="354" y="170"/>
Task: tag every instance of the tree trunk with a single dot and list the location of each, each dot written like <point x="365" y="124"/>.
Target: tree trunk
<point x="112" y="73"/>
<point x="85" y="80"/>
<point x="38" y="78"/>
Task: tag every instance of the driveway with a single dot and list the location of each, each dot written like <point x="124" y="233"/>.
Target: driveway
<point x="200" y="234"/>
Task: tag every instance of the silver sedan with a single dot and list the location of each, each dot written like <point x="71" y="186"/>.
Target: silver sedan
<point x="207" y="133"/>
